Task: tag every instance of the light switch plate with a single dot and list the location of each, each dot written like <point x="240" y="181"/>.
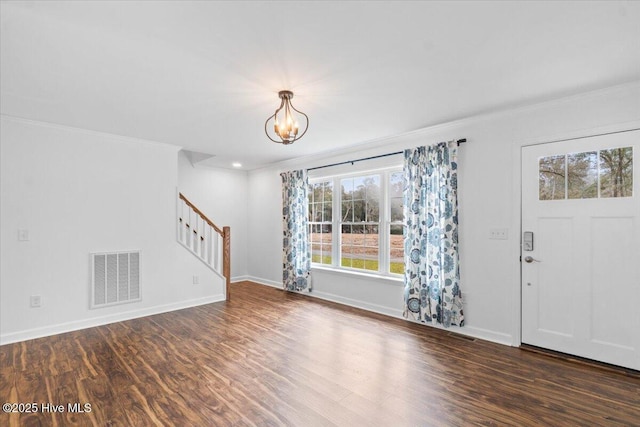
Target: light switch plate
<point x="499" y="234"/>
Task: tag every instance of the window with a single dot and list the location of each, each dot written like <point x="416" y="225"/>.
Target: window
<point x="587" y="175"/>
<point x="396" y="224"/>
<point x="360" y="225"/>
<point x="320" y="225"/>
<point x="616" y="172"/>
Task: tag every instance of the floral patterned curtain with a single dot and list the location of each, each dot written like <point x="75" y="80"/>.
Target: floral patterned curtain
<point x="296" y="257"/>
<point x="431" y="279"/>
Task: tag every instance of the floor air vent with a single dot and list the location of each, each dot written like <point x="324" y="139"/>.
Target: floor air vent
<point x="115" y="278"/>
<point x="461" y="337"/>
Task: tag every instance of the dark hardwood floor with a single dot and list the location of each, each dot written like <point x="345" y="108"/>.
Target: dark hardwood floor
<point x="273" y="358"/>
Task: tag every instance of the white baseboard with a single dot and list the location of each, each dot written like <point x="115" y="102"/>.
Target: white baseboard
<point x="104" y="320"/>
<point x="265" y="282"/>
<point x="240" y="279"/>
<point x="380" y="309"/>
<point x="487" y="335"/>
<point x="470" y="331"/>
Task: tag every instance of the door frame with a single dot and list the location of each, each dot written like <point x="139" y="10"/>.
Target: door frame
<point x="515" y="244"/>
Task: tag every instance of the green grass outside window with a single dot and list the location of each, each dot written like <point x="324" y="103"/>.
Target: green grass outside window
<point x="395" y="267"/>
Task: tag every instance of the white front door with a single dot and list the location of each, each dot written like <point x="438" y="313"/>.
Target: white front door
<point x="581" y="271"/>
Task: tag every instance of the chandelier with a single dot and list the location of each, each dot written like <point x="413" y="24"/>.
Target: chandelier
<point x="287" y="128"/>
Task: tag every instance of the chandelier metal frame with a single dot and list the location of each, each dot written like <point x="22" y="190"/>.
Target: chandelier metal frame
<point x="290" y="129"/>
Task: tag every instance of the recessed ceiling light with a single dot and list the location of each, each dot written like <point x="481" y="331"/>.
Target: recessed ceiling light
<point x="236" y="165"/>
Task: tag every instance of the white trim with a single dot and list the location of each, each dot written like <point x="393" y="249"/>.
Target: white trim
<point x="210" y="267"/>
<point x="112" y="136"/>
<point x="104" y="320"/>
<point x="486" y="334"/>
<point x="349" y="170"/>
<point x="384" y="220"/>
<point x="395" y="280"/>
<point x="240" y="279"/>
<point x="582" y="133"/>
<point x="470" y="331"/>
<point x="479" y="333"/>
<point x="214" y="246"/>
<point x="516" y="202"/>
<point x="265" y="282"/>
<point x="376" y="308"/>
<point x="380" y="145"/>
<point x="516" y="265"/>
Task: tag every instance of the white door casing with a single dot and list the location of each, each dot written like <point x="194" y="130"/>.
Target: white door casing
<point x="581" y="291"/>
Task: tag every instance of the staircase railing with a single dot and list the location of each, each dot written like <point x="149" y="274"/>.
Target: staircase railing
<point x="207" y="241"/>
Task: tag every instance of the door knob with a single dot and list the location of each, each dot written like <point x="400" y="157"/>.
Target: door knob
<point x="530" y="259"/>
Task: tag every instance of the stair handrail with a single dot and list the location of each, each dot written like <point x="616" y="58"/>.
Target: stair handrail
<point x="203" y="216"/>
<point x="225" y="233"/>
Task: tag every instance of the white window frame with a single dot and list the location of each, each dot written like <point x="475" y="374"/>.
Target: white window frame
<point x="321" y="223"/>
<point x="384" y="222"/>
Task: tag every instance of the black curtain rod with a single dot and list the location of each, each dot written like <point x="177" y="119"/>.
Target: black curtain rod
<point x="460" y="141"/>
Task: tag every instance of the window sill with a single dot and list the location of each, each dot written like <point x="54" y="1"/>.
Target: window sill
<point x="391" y="280"/>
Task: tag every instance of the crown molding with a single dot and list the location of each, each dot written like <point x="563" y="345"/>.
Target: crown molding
<point x="89" y="132"/>
<point x="380" y="145"/>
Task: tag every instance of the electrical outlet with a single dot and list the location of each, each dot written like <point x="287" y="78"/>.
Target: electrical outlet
<point x="35" y="301"/>
<point x="23" y="235"/>
<point x="499" y="234"/>
<point x="196" y="280"/>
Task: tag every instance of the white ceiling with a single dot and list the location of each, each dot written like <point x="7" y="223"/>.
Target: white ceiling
<point x="205" y="75"/>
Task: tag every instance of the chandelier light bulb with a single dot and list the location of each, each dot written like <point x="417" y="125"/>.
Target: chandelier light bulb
<point x="287" y="131"/>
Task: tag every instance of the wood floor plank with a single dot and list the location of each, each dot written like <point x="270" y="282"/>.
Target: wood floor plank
<point x="270" y="358"/>
<point x="8" y="390"/>
<point x="139" y="411"/>
<point x="105" y="410"/>
<point x="31" y="388"/>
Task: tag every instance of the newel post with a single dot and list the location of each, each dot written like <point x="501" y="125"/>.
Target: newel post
<point x="226" y="260"/>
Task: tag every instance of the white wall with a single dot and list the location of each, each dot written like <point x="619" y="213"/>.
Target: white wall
<point x="78" y="192"/>
<point x="221" y="194"/>
<point x="489" y="197"/>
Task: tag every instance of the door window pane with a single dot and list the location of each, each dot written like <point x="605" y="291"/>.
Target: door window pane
<point x="616" y="172"/>
<point x="582" y="174"/>
<point x="552" y="178"/>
